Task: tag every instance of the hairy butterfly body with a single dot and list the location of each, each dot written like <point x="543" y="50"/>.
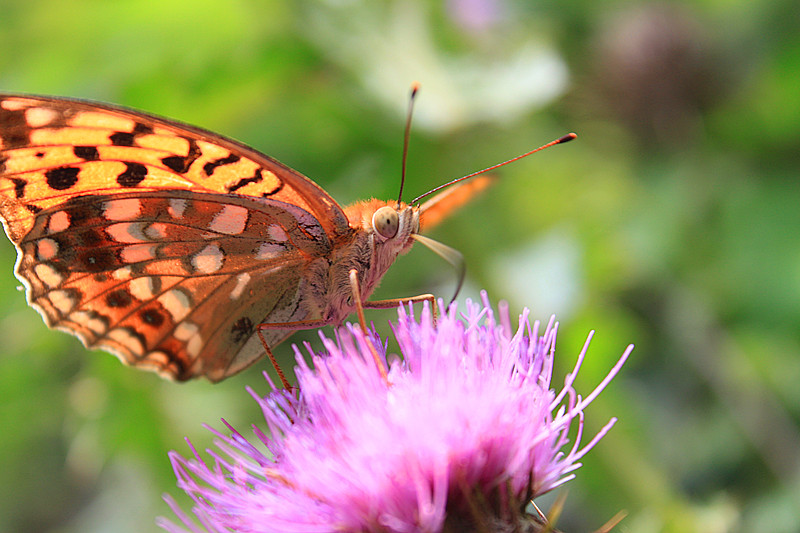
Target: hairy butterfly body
<point x="168" y="245"/>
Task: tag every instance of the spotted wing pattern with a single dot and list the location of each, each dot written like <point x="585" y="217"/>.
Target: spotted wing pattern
<point x="159" y="242"/>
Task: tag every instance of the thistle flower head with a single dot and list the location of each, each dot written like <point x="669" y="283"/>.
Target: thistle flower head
<point x="465" y="433"/>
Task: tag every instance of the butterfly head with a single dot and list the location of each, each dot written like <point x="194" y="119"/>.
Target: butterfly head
<point x="391" y="226"/>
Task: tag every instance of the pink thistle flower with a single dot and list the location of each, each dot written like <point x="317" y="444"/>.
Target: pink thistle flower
<point x="465" y="434"/>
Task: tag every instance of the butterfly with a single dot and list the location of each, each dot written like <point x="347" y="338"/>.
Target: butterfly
<point x="184" y="252"/>
<point x="175" y="248"/>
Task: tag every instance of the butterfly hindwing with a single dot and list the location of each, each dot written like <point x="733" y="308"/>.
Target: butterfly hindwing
<point x="169" y="278"/>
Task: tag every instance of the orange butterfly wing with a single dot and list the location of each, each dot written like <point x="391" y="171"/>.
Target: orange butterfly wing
<point x="163" y="243"/>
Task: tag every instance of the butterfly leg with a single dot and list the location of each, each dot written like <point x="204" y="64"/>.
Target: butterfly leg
<point x="359" y="305"/>
<point x="298" y="325"/>
<point x="356" y="288"/>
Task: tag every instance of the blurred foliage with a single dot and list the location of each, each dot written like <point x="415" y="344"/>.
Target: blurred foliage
<point x="671" y="223"/>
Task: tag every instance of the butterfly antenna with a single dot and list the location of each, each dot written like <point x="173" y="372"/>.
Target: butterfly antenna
<point x="561" y="140"/>
<point x="406" y="136"/>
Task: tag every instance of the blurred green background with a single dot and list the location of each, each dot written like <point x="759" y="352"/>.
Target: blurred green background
<point x="671" y="223"/>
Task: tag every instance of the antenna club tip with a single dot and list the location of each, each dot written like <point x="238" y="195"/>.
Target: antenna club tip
<point x="566" y="138"/>
<point x="415" y="86"/>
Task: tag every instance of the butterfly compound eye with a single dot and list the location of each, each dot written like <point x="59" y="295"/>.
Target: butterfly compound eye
<point x="385" y="221"/>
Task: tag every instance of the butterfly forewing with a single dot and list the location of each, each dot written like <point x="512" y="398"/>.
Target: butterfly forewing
<point x="160" y="242"/>
<point x="54" y="149"/>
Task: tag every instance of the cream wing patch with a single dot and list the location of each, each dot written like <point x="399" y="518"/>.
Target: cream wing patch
<point x="231" y="220"/>
<point x="208" y="260"/>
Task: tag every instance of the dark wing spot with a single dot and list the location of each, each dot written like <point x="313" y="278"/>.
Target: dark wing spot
<point x="3" y="160"/>
<point x="133" y="175"/>
<point x="152" y="317"/>
<point x="241" y="330"/>
<point x="122" y="138"/>
<point x="89" y="153"/>
<point x="97" y="260"/>
<point x="209" y="167"/>
<point x="19" y="187"/>
<point x="39" y="155"/>
<point x="119" y="298"/>
<point x="246" y="181"/>
<point x="142" y="129"/>
<point x="176" y="163"/>
<point x="62" y="178"/>
<point x="33" y="208"/>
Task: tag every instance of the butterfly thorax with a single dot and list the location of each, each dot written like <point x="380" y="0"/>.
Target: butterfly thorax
<point x="371" y="251"/>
